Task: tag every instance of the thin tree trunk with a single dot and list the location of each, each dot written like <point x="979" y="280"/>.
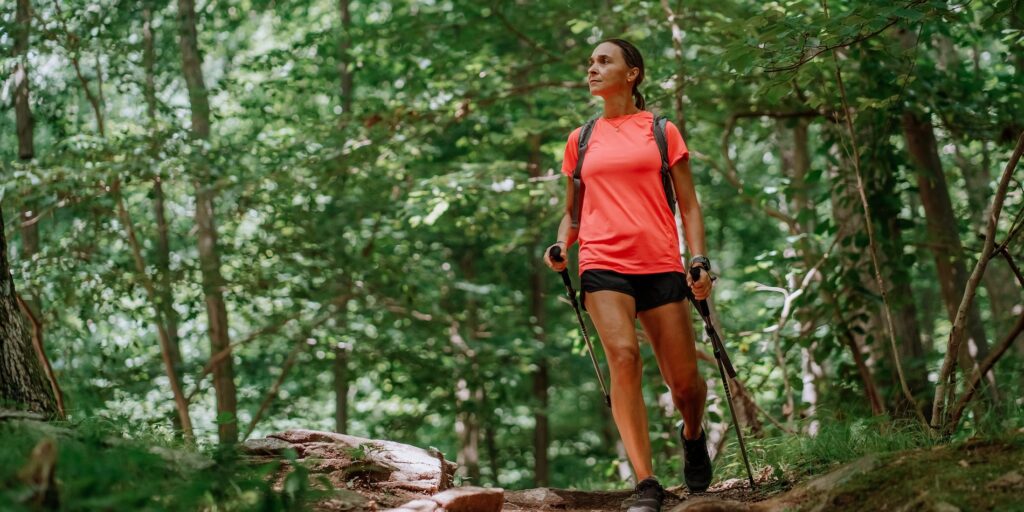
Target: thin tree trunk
<point x="845" y="215"/>
<point x="341" y="377"/>
<point x="165" y="297"/>
<point x="490" y="441"/>
<point x="947" y="375"/>
<point x="541" y="434"/>
<point x="944" y="240"/>
<point x="341" y="353"/>
<point x="677" y="46"/>
<point x="26" y="152"/>
<point x="469" y="391"/>
<point x="21" y="376"/>
<point x="209" y="255"/>
<point x="1003" y="293"/>
<point x="796" y="160"/>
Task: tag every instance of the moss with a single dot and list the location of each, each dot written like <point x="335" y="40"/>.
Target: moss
<point x="963" y="476"/>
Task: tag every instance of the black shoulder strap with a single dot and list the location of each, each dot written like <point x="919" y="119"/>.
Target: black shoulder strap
<point x="666" y="173"/>
<point x="577" y="174"/>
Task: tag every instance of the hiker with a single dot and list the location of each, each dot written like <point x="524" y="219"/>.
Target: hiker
<point x="630" y="262"/>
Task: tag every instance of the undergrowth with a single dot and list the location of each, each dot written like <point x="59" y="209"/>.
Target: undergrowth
<point x="108" y="465"/>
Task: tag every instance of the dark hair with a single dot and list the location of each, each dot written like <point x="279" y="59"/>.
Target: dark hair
<point x="633" y="60"/>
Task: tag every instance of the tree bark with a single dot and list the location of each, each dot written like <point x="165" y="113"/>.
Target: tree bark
<point x="541" y="432"/>
<point x="341" y="353"/>
<point x="469" y="391"/>
<point x="845" y="215"/>
<point x="21" y="376"/>
<point x="944" y="240"/>
<point x="999" y="282"/>
<point x="341" y="379"/>
<point x="24" y="121"/>
<point x="165" y="297"/>
<point x="209" y="255"/>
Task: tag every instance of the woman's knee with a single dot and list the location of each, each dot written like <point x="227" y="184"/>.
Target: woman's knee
<point x="689" y="389"/>
<point x="624" y="360"/>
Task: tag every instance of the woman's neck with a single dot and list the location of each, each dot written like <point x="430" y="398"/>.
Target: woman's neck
<point x="619" y="105"/>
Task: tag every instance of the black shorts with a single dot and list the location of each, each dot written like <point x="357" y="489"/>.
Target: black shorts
<point x="648" y="290"/>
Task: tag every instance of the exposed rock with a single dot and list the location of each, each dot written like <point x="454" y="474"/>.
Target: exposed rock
<point x="345" y="459"/>
<point x="343" y="500"/>
<point x="458" y="499"/>
<point x="417" y="506"/>
<point x="269" y="446"/>
<point x="537" y="499"/>
<point x="471" y="499"/>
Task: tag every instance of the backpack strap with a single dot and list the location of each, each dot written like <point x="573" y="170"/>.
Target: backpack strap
<point x="666" y="173"/>
<point x="577" y="175"/>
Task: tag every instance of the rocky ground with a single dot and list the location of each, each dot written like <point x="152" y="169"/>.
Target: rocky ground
<point x="382" y="475"/>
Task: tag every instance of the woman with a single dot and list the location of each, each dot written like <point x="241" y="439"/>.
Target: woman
<point x="631" y="266"/>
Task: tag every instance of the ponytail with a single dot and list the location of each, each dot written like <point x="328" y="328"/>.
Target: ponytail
<point x="639" y="98"/>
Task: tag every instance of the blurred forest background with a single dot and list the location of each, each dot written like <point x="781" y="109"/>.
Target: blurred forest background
<point x="233" y="217"/>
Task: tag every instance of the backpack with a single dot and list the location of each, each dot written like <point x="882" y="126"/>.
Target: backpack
<point x="658" y="126"/>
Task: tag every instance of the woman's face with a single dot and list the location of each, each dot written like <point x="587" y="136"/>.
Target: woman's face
<point x="607" y="71"/>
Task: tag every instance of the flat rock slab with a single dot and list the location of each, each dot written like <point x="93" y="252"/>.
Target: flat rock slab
<point x="459" y="499"/>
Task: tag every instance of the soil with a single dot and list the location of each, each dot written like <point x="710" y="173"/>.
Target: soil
<point x="974" y="476"/>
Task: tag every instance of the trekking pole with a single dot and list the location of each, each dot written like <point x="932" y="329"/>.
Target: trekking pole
<point x="556" y="255"/>
<point x="724" y="367"/>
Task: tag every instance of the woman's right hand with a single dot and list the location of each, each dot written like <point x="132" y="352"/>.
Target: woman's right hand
<point x="557" y="266"/>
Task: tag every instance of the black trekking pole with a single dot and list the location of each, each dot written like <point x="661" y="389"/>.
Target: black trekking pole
<point x="724" y="367"/>
<point x="556" y="255"/>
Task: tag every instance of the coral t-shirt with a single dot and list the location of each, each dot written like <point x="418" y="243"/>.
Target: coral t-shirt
<point x="626" y="224"/>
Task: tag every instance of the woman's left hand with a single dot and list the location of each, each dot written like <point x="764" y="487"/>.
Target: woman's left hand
<point x="702" y="287"/>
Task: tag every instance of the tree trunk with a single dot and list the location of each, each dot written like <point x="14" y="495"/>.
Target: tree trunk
<point x="26" y="145"/>
<point x="467" y="427"/>
<point x="341" y="353"/>
<point x="943" y="238"/>
<point x="1000" y="283"/>
<point x="21" y="376"/>
<point x="165" y="297"/>
<point x="541" y="433"/>
<point x="341" y="390"/>
<point x="209" y="256"/>
<point x="846" y="213"/>
<point x="796" y="162"/>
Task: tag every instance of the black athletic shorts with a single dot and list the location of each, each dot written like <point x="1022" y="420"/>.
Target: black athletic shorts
<point x="648" y="290"/>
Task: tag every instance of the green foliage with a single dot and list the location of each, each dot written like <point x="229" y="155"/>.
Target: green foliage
<point x="400" y="224"/>
<point x="99" y="466"/>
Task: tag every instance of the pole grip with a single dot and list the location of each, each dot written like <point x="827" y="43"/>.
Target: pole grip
<point x="556" y="254"/>
<point x="702" y="305"/>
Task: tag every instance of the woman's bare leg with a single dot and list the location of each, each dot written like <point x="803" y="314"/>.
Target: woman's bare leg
<point x="614" y="316"/>
<point x="670" y="329"/>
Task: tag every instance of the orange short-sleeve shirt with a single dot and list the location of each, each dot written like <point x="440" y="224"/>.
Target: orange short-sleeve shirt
<point x="626" y="224"/>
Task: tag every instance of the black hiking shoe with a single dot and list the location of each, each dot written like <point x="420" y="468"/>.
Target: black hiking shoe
<point x="697" y="462"/>
<point x="648" y="496"/>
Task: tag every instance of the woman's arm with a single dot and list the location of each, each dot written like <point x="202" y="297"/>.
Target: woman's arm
<point x="689" y="208"/>
<point x="693" y="222"/>
<point x="566" y="234"/>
